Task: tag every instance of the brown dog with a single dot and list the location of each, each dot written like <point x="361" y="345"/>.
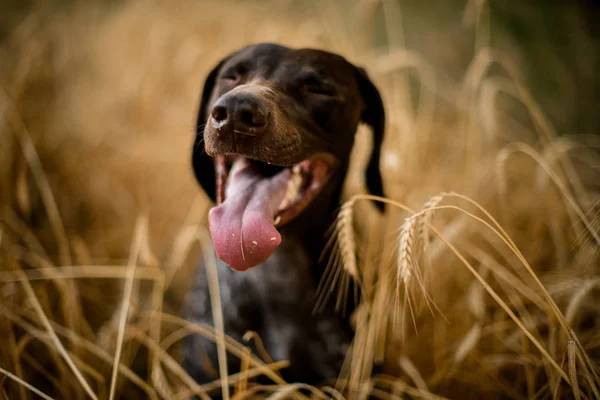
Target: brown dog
<point x="275" y="130"/>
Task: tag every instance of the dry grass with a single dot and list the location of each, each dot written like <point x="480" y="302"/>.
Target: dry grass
<point x="481" y="280"/>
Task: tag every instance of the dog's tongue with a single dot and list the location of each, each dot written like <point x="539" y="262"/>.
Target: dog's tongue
<point x="242" y="226"/>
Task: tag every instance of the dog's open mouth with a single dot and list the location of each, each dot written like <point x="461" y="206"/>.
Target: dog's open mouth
<point x="254" y="198"/>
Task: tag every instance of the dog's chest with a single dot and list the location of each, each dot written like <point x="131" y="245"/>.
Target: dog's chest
<point x="284" y="290"/>
<point x="284" y="280"/>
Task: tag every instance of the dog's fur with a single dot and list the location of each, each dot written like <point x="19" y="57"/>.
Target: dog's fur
<point x="315" y="101"/>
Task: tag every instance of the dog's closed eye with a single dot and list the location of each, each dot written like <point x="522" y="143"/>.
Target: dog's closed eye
<point x="235" y="73"/>
<point x="231" y="78"/>
<point x="315" y="86"/>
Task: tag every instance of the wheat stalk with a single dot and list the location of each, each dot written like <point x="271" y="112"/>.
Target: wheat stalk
<point x="141" y="226"/>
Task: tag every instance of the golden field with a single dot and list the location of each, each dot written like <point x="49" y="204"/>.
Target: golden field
<point x="482" y="280"/>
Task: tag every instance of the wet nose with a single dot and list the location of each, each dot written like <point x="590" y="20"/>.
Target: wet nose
<point x="244" y="113"/>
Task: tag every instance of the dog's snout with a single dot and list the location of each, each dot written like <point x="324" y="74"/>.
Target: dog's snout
<point x="244" y="113"/>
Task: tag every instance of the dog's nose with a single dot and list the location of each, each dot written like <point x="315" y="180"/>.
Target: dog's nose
<point x="219" y="114"/>
<point x="244" y="113"/>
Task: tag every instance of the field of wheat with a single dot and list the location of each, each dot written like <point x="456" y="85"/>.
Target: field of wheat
<point x="482" y="279"/>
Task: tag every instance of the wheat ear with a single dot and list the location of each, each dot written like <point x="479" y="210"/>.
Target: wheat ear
<point x="427" y="218"/>
<point x="346" y="241"/>
<point x="405" y="251"/>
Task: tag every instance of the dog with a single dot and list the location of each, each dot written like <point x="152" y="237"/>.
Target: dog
<point x="276" y="126"/>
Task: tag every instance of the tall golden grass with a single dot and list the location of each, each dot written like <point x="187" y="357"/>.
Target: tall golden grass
<point x="480" y="281"/>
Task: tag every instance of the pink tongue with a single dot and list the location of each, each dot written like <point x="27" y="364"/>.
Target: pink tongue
<point x="242" y="226"/>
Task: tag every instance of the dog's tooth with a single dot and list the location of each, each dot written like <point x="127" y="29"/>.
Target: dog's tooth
<point x="296" y="181"/>
<point x="283" y="205"/>
<point x="293" y="187"/>
<point x="277" y="220"/>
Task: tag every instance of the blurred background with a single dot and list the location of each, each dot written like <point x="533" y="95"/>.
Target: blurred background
<point x="492" y="136"/>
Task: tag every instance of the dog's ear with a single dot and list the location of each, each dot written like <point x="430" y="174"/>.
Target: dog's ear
<point x="374" y="116"/>
<point x="203" y="165"/>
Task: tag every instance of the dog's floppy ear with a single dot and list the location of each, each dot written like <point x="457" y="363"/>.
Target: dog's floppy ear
<point x="374" y="116"/>
<point x="203" y="165"/>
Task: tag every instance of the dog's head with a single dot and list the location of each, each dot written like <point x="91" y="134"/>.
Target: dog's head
<point x="274" y="126"/>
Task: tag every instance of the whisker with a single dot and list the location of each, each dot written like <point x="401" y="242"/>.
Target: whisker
<point x="246" y="133"/>
<point x="199" y="142"/>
